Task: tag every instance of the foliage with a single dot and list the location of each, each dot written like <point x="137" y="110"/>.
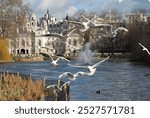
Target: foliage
<point x="14" y="87"/>
<point x="139" y="33"/>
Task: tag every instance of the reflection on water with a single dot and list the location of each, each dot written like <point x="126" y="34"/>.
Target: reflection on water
<point x="116" y="80"/>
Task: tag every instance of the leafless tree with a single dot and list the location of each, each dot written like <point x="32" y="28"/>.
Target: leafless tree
<point x="12" y="16"/>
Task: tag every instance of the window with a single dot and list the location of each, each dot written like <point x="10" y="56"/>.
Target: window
<point x="23" y="43"/>
<point x="40" y="43"/>
<point x="27" y="42"/>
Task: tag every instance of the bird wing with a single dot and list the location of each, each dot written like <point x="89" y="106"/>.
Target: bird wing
<point x="95" y="65"/>
<point x="55" y="35"/>
<point x="63" y="58"/>
<point x="75" y="22"/>
<point x="81" y="73"/>
<point x="83" y="30"/>
<point x="85" y="18"/>
<point x="142" y="45"/>
<point x="51" y="57"/>
<point x="51" y="86"/>
<point x="144" y="48"/>
<point x="71" y="31"/>
<point x="73" y="46"/>
<point x="77" y="66"/>
<point x="46" y="48"/>
<point x="93" y="19"/>
<point x="45" y="54"/>
<point x="35" y="46"/>
<point x="102" y="25"/>
<point x="120" y="28"/>
<point x="65" y="74"/>
<point x="68" y="82"/>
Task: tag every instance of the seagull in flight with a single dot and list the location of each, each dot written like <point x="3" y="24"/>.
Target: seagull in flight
<point x="144" y="48"/>
<point x="70" y="75"/>
<point x="86" y="24"/>
<point x="61" y="36"/>
<point x="114" y="33"/>
<point x="119" y="29"/>
<point x="54" y="62"/>
<point x="91" y="69"/>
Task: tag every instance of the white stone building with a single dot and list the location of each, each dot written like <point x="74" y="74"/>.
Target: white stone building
<point x="130" y="18"/>
<point x="35" y="35"/>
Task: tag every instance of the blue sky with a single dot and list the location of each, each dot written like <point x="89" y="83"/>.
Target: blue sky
<point x="60" y="8"/>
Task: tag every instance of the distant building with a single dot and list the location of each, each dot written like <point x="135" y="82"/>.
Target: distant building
<point x="131" y="18"/>
<point x="35" y="34"/>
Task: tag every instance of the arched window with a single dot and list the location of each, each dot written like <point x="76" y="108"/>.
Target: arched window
<point x="75" y="42"/>
<point x="17" y="42"/>
<point x="27" y="42"/>
<point x="40" y="43"/>
<point x="22" y="51"/>
<point x="27" y="51"/>
<point x="23" y="43"/>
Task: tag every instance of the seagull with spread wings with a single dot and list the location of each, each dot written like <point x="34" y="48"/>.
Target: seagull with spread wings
<point x="91" y="69"/>
<point x="61" y="36"/>
<point x="70" y="75"/>
<point x="114" y="33"/>
<point x="86" y="24"/>
<point x="55" y="62"/>
<point x="119" y="29"/>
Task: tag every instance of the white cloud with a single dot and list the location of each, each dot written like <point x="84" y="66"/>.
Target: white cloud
<point x="119" y="1"/>
<point x="60" y="8"/>
<point x="44" y="4"/>
<point x="71" y="10"/>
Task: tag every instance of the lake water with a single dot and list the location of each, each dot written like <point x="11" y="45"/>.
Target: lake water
<point x="116" y="79"/>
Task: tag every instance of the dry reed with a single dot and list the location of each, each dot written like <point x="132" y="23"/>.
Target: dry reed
<point x="14" y="87"/>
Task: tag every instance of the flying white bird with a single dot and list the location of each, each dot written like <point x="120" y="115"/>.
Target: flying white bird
<point x="86" y="24"/>
<point x="144" y="48"/>
<point x="54" y="62"/>
<point x="91" y="69"/>
<point x="119" y="29"/>
<point x="70" y="75"/>
<point x="112" y="33"/>
<point x="61" y="36"/>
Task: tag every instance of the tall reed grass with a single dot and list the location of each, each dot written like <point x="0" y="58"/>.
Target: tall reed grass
<point x="14" y="87"/>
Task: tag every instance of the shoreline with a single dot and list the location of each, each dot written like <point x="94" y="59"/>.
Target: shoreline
<point x="96" y="56"/>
